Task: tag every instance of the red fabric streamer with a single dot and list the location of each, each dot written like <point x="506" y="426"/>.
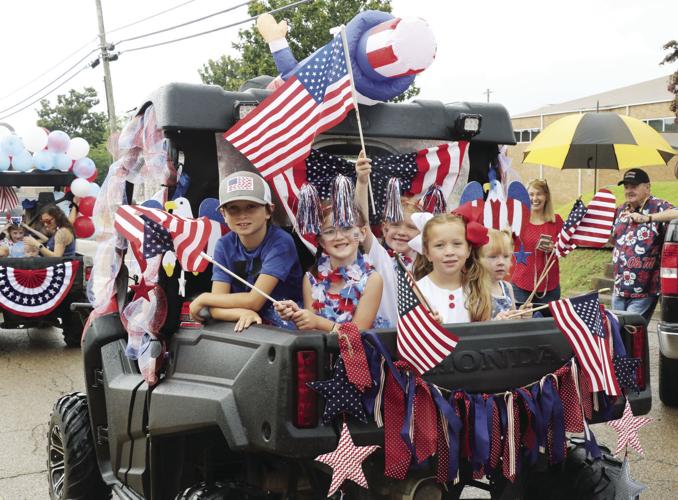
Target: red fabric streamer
<point x="353" y="354"/>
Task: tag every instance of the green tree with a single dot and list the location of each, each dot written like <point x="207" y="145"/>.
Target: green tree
<point x="73" y="114"/>
<point x="671" y="57"/>
<point x="309" y="28"/>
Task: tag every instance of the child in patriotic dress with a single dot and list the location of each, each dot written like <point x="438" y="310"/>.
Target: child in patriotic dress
<point x="448" y="270"/>
<point x="342" y="287"/>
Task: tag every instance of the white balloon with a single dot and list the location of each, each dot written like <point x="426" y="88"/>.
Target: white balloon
<point x="94" y="189"/>
<point x="35" y="139"/>
<point x="62" y="162"/>
<point x="78" y="148"/>
<point x="80" y="187"/>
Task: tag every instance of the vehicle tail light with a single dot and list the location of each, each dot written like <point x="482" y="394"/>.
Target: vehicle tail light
<point x="185" y="320"/>
<point x="669" y="269"/>
<point x="306" y="398"/>
<point x="638" y="351"/>
<point x="88" y="273"/>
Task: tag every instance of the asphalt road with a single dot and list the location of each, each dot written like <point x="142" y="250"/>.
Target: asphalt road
<point x="36" y="368"/>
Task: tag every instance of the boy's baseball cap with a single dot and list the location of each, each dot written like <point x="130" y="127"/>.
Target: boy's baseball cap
<point x="245" y="186"/>
<point x="634" y="176"/>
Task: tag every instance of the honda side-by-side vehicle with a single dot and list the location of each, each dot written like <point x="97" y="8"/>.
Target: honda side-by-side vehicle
<point x="232" y="416"/>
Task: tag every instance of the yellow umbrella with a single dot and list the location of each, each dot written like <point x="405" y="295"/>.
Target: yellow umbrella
<point x="599" y="140"/>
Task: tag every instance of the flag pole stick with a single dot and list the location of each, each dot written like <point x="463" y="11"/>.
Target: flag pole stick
<point x="415" y="287"/>
<point x="520" y="312"/>
<point x="231" y="273"/>
<point x="547" y="267"/>
<point x="357" y="110"/>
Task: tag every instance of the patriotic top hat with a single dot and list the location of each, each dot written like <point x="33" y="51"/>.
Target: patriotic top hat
<point x="395" y="48"/>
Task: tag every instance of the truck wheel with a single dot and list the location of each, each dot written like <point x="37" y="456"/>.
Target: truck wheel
<point x="590" y="479"/>
<point x="72" y="468"/>
<point x="71" y="326"/>
<point x="205" y="491"/>
<point x="668" y="380"/>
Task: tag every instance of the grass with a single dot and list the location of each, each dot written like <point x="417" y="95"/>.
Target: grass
<point x="580" y="267"/>
<point x="666" y="190"/>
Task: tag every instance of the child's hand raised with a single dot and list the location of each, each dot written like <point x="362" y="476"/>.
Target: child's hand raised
<point x="363" y="168"/>
<point x="286" y="308"/>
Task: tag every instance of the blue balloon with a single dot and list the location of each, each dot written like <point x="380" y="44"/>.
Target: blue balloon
<point x="43" y="160"/>
<point x="4" y="162"/>
<point x="62" y="162"/>
<point x="12" y="145"/>
<point x="22" y="162"/>
<point x="84" y="168"/>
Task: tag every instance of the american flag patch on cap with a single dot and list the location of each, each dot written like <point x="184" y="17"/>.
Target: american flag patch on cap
<point x="240" y="184"/>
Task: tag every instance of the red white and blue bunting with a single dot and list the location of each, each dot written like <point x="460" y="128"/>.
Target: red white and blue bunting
<point x="36" y="292"/>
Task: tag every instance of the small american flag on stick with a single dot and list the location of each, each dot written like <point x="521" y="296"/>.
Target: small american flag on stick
<point x="422" y="341"/>
<point x="564" y="244"/>
<point x="280" y="131"/>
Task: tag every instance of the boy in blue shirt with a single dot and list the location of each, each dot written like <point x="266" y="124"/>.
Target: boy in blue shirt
<point x="256" y="250"/>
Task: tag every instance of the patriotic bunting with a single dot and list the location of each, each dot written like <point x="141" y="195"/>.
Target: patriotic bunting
<point x="36" y="292"/>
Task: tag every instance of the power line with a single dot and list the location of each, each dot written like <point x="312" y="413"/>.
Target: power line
<point x="148" y="17"/>
<point x="183" y="24"/>
<point x="289" y="6"/>
<point x="50" y="83"/>
<point x="45" y="95"/>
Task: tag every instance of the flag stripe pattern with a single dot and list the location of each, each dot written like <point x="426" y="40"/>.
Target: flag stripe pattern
<point x="421" y="340"/>
<point x="596" y="225"/>
<point x="8" y="198"/>
<point x="564" y="244"/>
<point x="280" y="131"/>
<point x="580" y="320"/>
<point x="189" y="236"/>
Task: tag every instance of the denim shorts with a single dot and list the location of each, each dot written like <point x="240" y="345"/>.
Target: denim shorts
<point x="644" y="306"/>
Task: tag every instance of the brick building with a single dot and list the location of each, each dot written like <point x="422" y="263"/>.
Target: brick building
<point x="648" y="101"/>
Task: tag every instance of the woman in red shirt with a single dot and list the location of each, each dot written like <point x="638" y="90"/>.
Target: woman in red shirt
<point x="538" y="237"/>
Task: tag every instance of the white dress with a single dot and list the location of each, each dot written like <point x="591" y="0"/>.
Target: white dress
<point x="450" y="304"/>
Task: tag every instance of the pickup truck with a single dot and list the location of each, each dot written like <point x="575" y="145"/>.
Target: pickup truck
<point x="667" y="329"/>
<point x="232" y="416"/>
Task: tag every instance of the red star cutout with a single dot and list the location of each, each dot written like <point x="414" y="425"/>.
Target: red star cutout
<point x="142" y="289"/>
<point x="627" y="430"/>
<point x="346" y="461"/>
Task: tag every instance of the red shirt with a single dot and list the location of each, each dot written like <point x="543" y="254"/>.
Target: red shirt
<point x="525" y="275"/>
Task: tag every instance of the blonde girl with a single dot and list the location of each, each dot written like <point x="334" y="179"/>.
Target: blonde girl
<point x="495" y="257"/>
<point x="448" y="271"/>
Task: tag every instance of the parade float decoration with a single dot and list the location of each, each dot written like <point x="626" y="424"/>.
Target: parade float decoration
<point x="386" y="52"/>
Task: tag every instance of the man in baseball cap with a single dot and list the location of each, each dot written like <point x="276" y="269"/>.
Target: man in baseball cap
<point x="638" y="234"/>
<point x="257" y="251"/>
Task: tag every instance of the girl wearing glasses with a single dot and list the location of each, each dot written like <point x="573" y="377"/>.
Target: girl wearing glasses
<point x="342" y="287"/>
<point x="59" y="239"/>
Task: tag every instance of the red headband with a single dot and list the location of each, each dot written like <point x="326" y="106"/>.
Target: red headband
<point x="476" y="233"/>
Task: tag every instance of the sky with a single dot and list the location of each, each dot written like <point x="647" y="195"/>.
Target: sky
<point x="528" y="53"/>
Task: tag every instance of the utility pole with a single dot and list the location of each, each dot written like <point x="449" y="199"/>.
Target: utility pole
<point x="487" y="93"/>
<point x="108" y="84"/>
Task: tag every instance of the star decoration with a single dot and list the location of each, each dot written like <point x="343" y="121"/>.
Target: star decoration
<point x="625" y="487"/>
<point x="522" y="255"/>
<point x="625" y="371"/>
<point x="141" y="290"/>
<point x="346" y="461"/>
<point x="627" y="430"/>
<point x="340" y="395"/>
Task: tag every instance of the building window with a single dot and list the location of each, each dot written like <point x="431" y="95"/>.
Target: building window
<point x="670" y="125"/>
<point x="516" y="133"/>
<point x="526" y="135"/>
<point x="663" y="124"/>
<point x="658" y="125"/>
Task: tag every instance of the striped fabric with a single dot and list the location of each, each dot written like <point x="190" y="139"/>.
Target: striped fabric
<point x="595" y="227"/>
<point x="8" y="199"/>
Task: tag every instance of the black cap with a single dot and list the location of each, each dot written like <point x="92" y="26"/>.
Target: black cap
<point x="634" y="176"/>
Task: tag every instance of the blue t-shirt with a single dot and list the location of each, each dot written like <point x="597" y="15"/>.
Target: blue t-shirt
<point x="276" y="256"/>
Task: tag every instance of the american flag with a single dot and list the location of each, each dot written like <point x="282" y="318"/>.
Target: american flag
<point x="595" y="227"/>
<point x="280" y="131"/>
<point x="564" y="244"/>
<point x="8" y="198"/>
<point x="421" y="340"/>
<point x="157" y="239"/>
<point x="445" y="165"/>
<point x="580" y="320"/>
<point x="189" y="236"/>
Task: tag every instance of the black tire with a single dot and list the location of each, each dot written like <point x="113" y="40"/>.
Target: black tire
<point x="668" y="380"/>
<point x="72" y="468"/>
<point x="71" y="326"/>
<point x="205" y="491"/>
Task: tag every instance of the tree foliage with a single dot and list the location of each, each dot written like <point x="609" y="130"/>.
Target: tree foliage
<point x="309" y="28"/>
<point x="73" y="114"/>
<point x="671" y="57"/>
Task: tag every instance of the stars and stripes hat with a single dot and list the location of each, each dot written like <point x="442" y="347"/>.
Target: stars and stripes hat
<point x="245" y="186"/>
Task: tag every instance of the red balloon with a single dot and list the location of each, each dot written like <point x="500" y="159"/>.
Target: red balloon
<point x="83" y="226"/>
<point x="86" y="206"/>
